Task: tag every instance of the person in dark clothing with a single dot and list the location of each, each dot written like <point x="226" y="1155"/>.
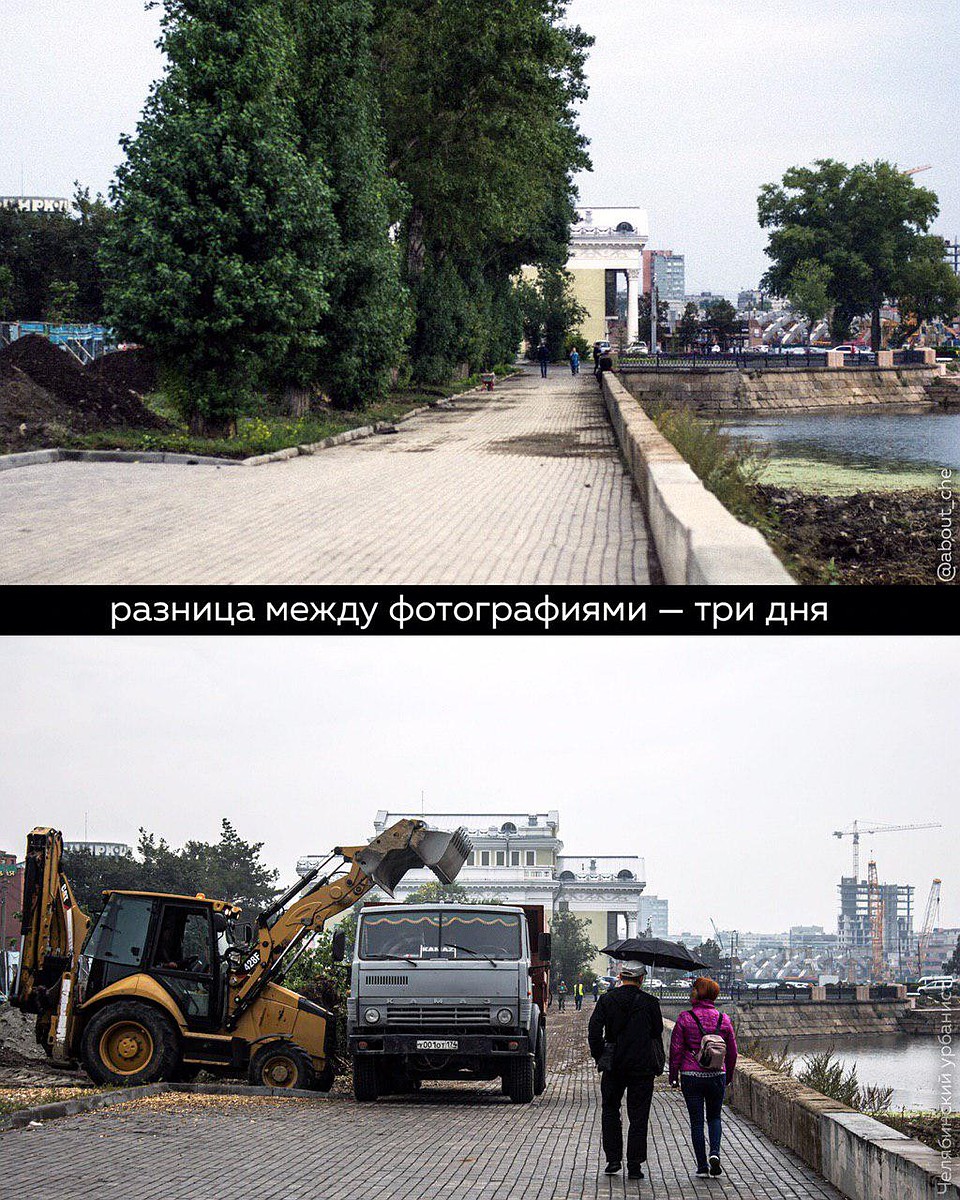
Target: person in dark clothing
<point x="596" y="990"/>
<point x="543" y="354"/>
<point x="626" y="1029"/>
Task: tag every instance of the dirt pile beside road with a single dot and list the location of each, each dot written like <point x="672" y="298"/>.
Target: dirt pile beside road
<point x="42" y="386"/>
<point x="18" y="1043"/>
<point x="872" y="537"/>
<point x="134" y="370"/>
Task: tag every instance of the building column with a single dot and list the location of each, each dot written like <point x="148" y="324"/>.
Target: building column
<point x="633" y="304"/>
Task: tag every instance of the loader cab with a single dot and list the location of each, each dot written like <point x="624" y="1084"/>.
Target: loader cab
<point x="173" y="939"/>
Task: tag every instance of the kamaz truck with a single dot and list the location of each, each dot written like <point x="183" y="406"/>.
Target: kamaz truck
<point x="449" y="991"/>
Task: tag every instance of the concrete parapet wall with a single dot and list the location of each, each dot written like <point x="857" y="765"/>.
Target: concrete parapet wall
<point x="697" y="540"/>
<point x="723" y="391"/>
<point x="863" y="1158"/>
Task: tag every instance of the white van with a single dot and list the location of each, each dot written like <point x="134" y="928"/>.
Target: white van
<point x="936" y="985"/>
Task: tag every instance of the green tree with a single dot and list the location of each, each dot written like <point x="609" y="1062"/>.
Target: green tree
<point x="663" y="315"/>
<point x="952" y="965"/>
<point x="550" y="310"/>
<point x="479" y="106"/>
<point x="220" y="254"/>
<point x="6" y="290"/>
<point x="709" y="952"/>
<point x="721" y="320"/>
<point x="338" y="116"/>
<point x="688" y="328"/>
<point x="868" y="225"/>
<point x="571" y="950"/>
<point x="229" y="869"/>
<point x="62" y="302"/>
<point x="809" y="292"/>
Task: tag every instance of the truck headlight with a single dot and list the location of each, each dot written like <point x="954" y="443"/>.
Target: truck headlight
<point x="372" y="1016"/>
<point x="504" y="1016"/>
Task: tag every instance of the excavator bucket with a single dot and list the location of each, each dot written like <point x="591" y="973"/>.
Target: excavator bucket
<point x="411" y="844"/>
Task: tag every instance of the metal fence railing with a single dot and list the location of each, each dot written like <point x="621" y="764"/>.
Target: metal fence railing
<point x="736" y="360"/>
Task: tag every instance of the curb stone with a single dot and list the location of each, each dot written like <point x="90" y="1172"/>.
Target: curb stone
<point x="31" y="458"/>
<point x="24" y="1117"/>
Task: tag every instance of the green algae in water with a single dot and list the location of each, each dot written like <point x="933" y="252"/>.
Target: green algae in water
<point x="834" y="479"/>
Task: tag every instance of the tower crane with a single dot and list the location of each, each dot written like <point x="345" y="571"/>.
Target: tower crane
<point x="917" y="170"/>
<point x="931" y="919"/>
<point x="868" y="827"/>
<point x="875" y="912"/>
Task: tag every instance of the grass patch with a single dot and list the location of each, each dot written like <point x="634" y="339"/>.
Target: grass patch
<point x="727" y="466"/>
<point x="261" y="432"/>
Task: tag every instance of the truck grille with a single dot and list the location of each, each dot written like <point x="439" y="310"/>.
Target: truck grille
<point x="438" y="1014"/>
<point x="387" y="980"/>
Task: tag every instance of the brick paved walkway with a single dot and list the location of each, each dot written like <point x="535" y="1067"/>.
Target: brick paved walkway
<point x="524" y="486"/>
<point x="463" y="1142"/>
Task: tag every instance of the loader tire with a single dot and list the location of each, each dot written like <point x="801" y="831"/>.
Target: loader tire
<point x="540" y="1064"/>
<point x="366" y="1081"/>
<point x="520" y="1080"/>
<point x="323" y="1080"/>
<point x="128" y="1044"/>
<point x="280" y="1065"/>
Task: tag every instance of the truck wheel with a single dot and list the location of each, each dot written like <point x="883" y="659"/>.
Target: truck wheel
<point x="280" y="1065"/>
<point x="520" y="1080"/>
<point x="366" y="1085"/>
<point x="540" y="1064"/>
<point x="129" y="1044"/>
<point x="505" y="1085"/>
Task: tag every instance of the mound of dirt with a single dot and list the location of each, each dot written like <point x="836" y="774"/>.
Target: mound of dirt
<point x="40" y="384"/>
<point x="134" y="370"/>
<point x="18" y="1042"/>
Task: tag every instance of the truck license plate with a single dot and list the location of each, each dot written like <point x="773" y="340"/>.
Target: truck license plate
<point x="437" y="1044"/>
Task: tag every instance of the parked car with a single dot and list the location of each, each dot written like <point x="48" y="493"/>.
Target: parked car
<point x="937" y="985"/>
<point x="637" y="348"/>
<point x="849" y="348"/>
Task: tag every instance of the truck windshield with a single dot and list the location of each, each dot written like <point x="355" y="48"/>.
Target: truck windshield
<point x="440" y="935"/>
<point x="121" y="932"/>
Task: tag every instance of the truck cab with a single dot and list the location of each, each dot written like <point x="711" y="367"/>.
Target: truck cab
<point x="448" y="991"/>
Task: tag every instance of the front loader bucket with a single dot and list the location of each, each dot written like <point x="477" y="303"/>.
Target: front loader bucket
<point x="399" y="850"/>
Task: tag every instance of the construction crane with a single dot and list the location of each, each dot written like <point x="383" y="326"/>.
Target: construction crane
<point x="931" y="919"/>
<point x="875" y="911"/>
<point x="917" y="170"/>
<point x="868" y="827"/>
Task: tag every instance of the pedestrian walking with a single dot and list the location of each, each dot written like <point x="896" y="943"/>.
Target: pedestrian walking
<point x="561" y="995"/>
<point x="574" y="361"/>
<point x="626" y="1041"/>
<point x="543" y="354"/>
<point x="596" y="990"/>
<point x="703" y="1057"/>
<point x="578" y="993"/>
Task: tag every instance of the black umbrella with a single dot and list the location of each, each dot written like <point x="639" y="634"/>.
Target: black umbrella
<point x="655" y="952"/>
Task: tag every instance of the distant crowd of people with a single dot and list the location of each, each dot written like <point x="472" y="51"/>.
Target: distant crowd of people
<point x="602" y="359"/>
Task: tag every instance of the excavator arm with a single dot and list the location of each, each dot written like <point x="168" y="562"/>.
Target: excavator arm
<point x="287" y="927"/>
<point x="53" y="931"/>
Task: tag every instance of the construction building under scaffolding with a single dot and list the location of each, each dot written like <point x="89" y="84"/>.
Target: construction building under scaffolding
<point x="857" y="908"/>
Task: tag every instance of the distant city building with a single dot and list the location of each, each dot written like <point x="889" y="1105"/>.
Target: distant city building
<point x="107" y="849"/>
<point x="517" y="859"/>
<point x="703" y="300"/>
<point x="36" y="204"/>
<point x="951" y="254"/>
<point x="812" y="937"/>
<point x="11" y="900"/>
<point x="605" y="245"/>
<point x="664" y="269"/>
<point x="653" y="916"/>
<point x="939" y="949"/>
<point x="853" y="923"/>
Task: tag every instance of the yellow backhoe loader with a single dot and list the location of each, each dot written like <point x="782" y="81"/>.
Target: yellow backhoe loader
<point x="160" y="987"/>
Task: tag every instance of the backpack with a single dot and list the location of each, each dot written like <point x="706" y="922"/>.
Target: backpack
<point x="713" y="1046"/>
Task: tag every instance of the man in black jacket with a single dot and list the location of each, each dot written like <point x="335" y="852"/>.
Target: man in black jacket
<point x="629" y="1020"/>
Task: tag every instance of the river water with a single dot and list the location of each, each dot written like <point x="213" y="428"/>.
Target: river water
<point x="847" y="450"/>
<point x="910" y="1065"/>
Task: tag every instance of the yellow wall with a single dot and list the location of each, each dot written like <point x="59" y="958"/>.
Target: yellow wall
<point x="589" y="287"/>
<point x="597" y="934"/>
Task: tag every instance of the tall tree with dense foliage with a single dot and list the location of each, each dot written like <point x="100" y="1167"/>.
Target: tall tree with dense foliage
<point x="221" y="252"/>
<point x="228" y="869"/>
<point x="868" y="225"/>
<point x="571" y="950"/>
<point x="363" y="331"/>
<point x="809" y="292"/>
<point x="550" y="310"/>
<point x="721" y="320"/>
<point x="688" y="327"/>
<point x="41" y="249"/>
<point x="479" y="105"/>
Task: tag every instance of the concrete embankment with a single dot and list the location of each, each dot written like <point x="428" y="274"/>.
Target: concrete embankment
<point x="825" y="1019"/>
<point x="697" y="540"/>
<point x="728" y="391"/>
<point x="863" y="1158"/>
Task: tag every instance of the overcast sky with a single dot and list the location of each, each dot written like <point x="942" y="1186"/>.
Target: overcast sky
<point x="726" y="764"/>
<point x="694" y="104"/>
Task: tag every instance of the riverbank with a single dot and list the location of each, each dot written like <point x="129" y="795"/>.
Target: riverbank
<point x="868" y="538"/>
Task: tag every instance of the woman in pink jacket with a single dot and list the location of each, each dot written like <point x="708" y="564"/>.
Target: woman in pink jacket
<point x="703" y="1056"/>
